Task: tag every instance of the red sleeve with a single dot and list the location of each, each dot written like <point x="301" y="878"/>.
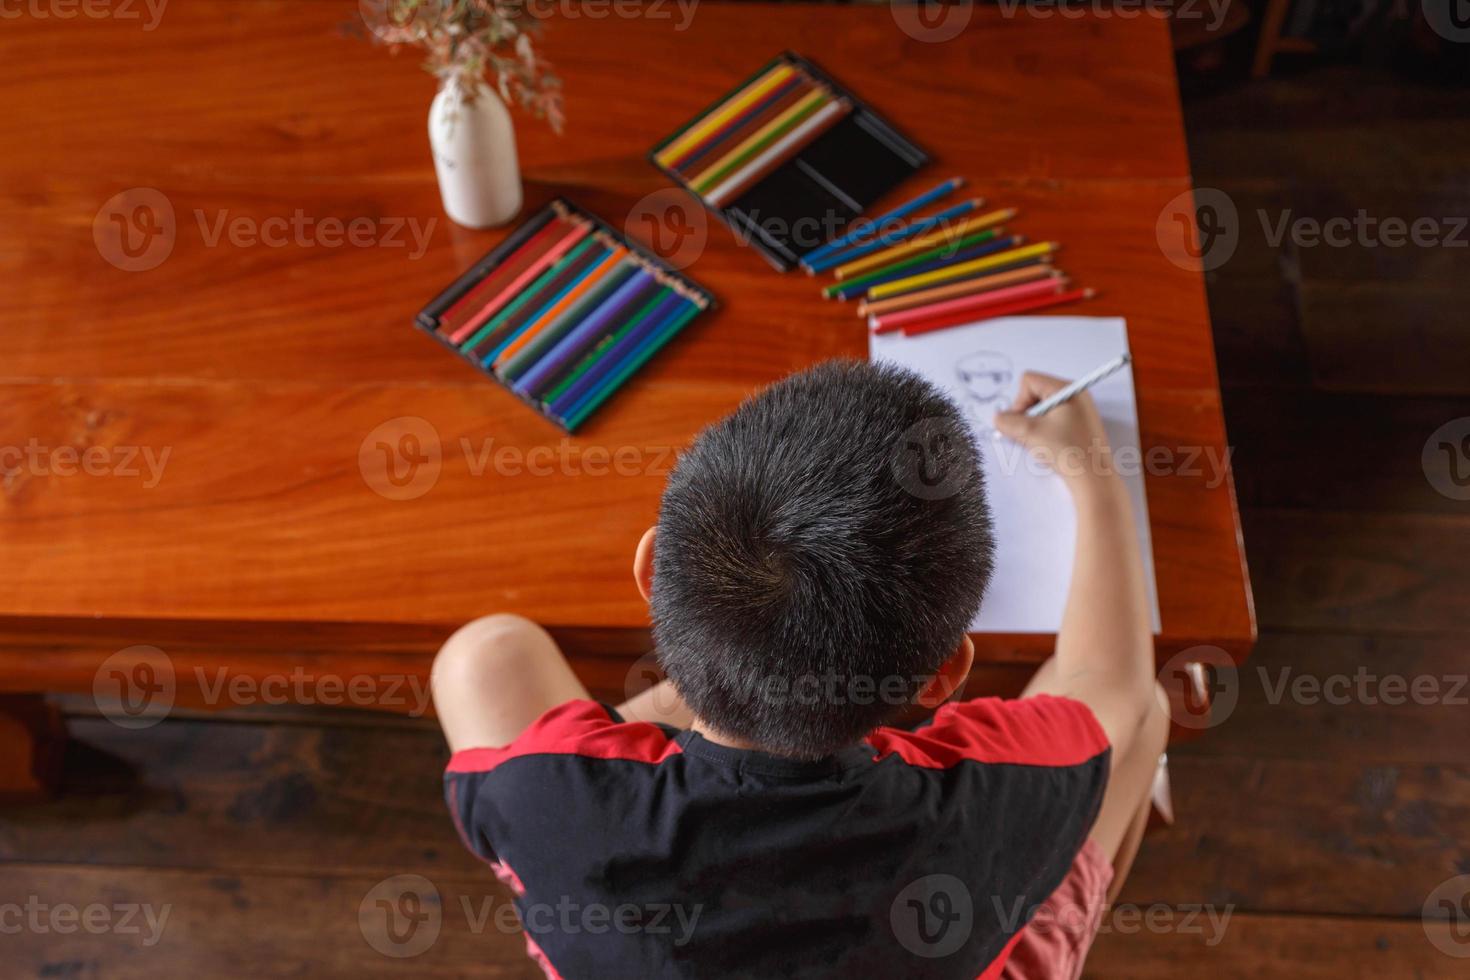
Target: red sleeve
<point x="582" y="728"/>
<point x="1037" y="731"/>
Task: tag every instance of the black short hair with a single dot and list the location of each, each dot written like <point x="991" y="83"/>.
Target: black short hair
<point x="820" y="552"/>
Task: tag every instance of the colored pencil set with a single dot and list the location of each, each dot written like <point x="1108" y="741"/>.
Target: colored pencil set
<point x="563" y="312"/>
<point x="956" y="266"/>
<point x="786" y="149"/>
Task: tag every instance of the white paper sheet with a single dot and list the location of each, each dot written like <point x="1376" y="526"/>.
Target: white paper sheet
<point x="979" y="366"/>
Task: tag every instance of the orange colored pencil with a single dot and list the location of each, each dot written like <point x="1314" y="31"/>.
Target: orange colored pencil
<point x="962" y="288"/>
<point x="588" y="281"/>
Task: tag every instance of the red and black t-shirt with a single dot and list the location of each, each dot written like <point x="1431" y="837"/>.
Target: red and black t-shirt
<point x="638" y="850"/>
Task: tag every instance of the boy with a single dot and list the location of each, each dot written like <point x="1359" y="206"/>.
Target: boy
<point x="818" y="556"/>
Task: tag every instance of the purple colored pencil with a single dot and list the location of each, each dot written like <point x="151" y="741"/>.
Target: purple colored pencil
<point x="609" y="359"/>
<point x="586" y="332"/>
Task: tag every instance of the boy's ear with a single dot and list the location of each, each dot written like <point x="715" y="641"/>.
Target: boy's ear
<point x="950" y="676"/>
<point x="643" y="564"/>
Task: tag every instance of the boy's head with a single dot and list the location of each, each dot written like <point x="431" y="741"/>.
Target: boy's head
<point x="818" y="557"/>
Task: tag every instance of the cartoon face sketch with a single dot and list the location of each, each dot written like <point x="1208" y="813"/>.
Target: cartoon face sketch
<point x="989" y="382"/>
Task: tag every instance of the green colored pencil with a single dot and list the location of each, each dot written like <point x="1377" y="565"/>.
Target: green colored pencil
<point x="616" y="379"/>
<point x="710" y="178"/>
<point x="975" y="239"/>
<point x="603" y="344"/>
<point x="557" y="268"/>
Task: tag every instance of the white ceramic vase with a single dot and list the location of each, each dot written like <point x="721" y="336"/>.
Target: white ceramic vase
<point x="474" y="146"/>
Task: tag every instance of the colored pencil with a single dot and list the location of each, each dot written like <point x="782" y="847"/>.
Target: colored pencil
<point x="778" y="153"/>
<point x="760" y="139"/>
<point x="846" y="292"/>
<point x="578" y="288"/>
<point x="889" y="322"/>
<point x="476" y="274"/>
<point x="509" y="367"/>
<point x="669" y="305"/>
<point x="903" y="236"/>
<point x="939" y="251"/>
<point x="864" y="228"/>
<point x="553" y="282"/>
<point x="635" y="300"/>
<point x="628" y="298"/>
<point x="726" y="111"/>
<point x="780" y="97"/>
<point x="1004" y="309"/>
<point x="562" y="246"/>
<point x="961" y="270"/>
<point x="645" y="304"/>
<point x="856" y="263"/>
<point x="963" y="287"/>
<point x="1071" y="391"/>
<point x="514" y="264"/>
<point x="631" y="363"/>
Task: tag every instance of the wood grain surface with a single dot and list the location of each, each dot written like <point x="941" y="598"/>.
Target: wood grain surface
<point x="262" y="364"/>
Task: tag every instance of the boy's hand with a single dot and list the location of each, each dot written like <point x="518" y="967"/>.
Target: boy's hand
<point x="1070" y="438"/>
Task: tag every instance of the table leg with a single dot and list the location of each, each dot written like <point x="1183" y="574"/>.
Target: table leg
<point x="32" y="737"/>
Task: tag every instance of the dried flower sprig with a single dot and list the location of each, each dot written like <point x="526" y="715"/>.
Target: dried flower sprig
<point x="466" y="39"/>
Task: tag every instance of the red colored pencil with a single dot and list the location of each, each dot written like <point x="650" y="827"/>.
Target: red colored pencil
<point x="975" y="304"/>
<point x="509" y="267"/>
<point x="991" y="312"/>
<point x="579" y="230"/>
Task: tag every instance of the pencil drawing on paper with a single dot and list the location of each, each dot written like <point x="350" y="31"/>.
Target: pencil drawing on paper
<point x="988" y="379"/>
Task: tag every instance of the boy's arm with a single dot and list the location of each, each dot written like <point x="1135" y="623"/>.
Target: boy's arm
<point x="1104" y="656"/>
<point x="660" y="704"/>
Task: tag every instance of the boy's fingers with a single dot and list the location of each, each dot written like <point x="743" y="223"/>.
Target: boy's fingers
<point x="1012" y="425"/>
<point x="1034" y="387"/>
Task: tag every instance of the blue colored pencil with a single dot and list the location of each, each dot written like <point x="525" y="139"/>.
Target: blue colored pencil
<point x="671" y="306"/>
<point x="895" y="237"/>
<point x="634" y="360"/>
<point x="587" y="331"/>
<point x="964" y="255"/>
<point x="862" y="229"/>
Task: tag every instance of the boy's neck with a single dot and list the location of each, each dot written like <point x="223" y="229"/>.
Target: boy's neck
<point x="710" y="735"/>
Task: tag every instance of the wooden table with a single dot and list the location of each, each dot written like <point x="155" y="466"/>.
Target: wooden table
<point x="263" y="358"/>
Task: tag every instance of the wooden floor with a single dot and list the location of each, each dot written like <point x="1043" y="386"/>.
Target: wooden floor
<point x="1320" y="829"/>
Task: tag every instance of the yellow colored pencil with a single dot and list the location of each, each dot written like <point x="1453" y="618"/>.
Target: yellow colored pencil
<point x="749" y="146"/>
<point x="896" y="252"/>
<point x="964" y="287"/>
<point x="961" y="269"/>
<point x="775" y="77"/>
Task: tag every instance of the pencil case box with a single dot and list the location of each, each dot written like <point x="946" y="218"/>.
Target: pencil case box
<point x="563" y="312"/>
<point x="786" y="200"/>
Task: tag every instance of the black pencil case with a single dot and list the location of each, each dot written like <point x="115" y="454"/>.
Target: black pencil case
<point x="429" y="319"/>
<point x="811" y="197"/>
